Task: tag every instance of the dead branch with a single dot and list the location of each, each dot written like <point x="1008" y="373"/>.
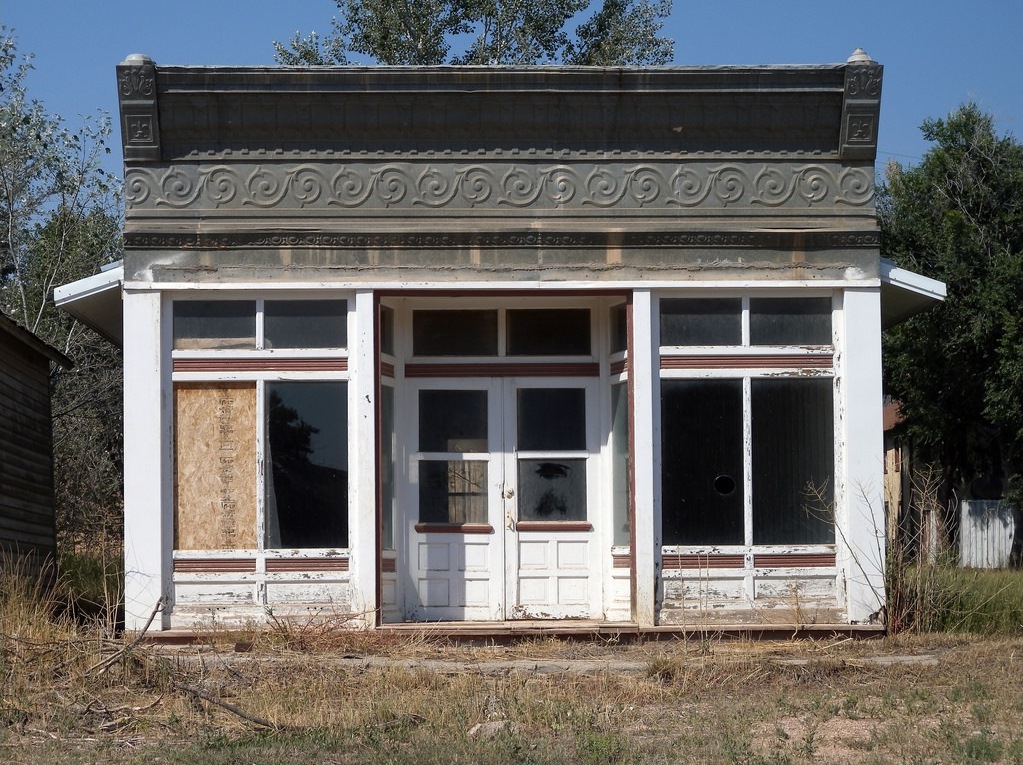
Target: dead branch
<point x="105" y="664"/>
<point x="254" y="719"/>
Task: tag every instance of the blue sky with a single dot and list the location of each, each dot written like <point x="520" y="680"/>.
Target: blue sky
<point x="937" y="53"/>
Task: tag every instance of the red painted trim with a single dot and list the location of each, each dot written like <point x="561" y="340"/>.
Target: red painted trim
<point x="553" y="526"/>
<point x="260" y="365"/>
<point x="677" y="562"/>
<point x="388" y="565"/>
<point x="454" y="528"/>
<point x="621" y="561"/>
<point x="282" y="565"/>
<point x="503" y="369"/>
<point x="386" y="369"/>
<point x="538" y="294"/>
<point x="760" y="361"/>
<point x="795" y="560"/>
<point x="215" y="566"/>
<point x="619" y="366"/>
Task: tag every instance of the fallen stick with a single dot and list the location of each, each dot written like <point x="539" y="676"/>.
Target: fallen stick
<point x="206" y="696"/>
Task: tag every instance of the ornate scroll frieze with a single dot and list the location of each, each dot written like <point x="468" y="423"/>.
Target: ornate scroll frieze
<point x="498" y="186"/>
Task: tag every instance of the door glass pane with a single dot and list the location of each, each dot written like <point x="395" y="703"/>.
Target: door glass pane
<point x="454" y="333"/>
<point x="305" y="324"/>
<point x="452" y="491"/>
<point x="620" y="493"/>
<point x="307" y="452"/>
<point x="549" y="332"/>
<point x="551" y="419"/>
<point x="552" y="490"/>
<point x="793" y="461"/>
<point x="790" y="321"/>
<point x="701" y="321"/>
<point x="701" y="462"/>
<point x="387" y="330"/>
<point x="200" y="324"/>
<point x="453" y="421"/>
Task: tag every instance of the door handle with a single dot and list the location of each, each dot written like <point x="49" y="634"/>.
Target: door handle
<point x="508" y="493"/>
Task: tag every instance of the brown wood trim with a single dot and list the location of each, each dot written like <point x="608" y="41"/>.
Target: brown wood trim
<point x="386" y="369"/>
<point x="794" y="560"/>
<point x="620" y="366"/>
<point x="260" y="365"/>
<point x="621" y="561"/>
<point x="759" y="361"/>
<point x="554" y="526"/>
<point x="504" y="369"/>
<point x="283" y="565"/>
<point x="215" y="565"/>
<point x="454" y="528"/>
<point x="388" y="565"/>
<point x="676" y="562"/>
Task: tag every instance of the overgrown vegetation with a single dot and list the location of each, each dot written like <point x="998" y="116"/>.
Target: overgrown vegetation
<point x="70" y="693"/>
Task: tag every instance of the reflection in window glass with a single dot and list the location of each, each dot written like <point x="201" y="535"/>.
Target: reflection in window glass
<point x="549" y="332"/>
<point x="619" y="328"/>
<point x="551" y="419"/>
<point x="200" y="324"/>
<point x="387" y="330"/>
<point x="552" y="490"/>
<point x="387" y="436"/>
<point x="453" y="421"/>
<point x="305" y="324"/>
<point x="454" y="333"/>
<point x="793" y="462"/>
<point x="790" y="321"/>
<point x="701" y="321"/>
<point x="307" y="456"/>
<point x="452" y="491"/>
<point x="620" y="492"/>
<point x="701" y="462"/>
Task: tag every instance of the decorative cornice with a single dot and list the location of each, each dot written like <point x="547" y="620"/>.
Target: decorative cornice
<point x="861" y="108"/>
<point x="140" y="118"/>
<point x="502" y="186"/>
<point x="754" y="240"/>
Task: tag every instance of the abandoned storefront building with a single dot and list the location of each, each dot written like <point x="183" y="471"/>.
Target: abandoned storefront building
<point x="493" y="344"/>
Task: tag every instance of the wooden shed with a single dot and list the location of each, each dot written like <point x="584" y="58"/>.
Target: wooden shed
<point x="27" y="531"/>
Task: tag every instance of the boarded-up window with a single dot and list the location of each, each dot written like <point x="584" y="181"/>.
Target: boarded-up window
<point x="215" y="466"/>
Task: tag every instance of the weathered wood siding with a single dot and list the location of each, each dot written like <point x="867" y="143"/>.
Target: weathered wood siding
<point x="987" y="533"/>
<point x="27" y="532"/>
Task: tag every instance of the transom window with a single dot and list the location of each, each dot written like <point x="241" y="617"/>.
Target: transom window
<point x="259" y="324"/>
<point x="497" y="332"/>
<point x="754" y="321"/>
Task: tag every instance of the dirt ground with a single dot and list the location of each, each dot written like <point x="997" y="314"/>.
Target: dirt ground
<point x="347" y="699"/>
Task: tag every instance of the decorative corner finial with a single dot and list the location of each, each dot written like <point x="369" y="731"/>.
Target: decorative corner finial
<point x="860" y="56"/>
<point x="137" y="59"/>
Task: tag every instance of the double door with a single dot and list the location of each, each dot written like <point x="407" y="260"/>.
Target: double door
<point x="500" y="505"/>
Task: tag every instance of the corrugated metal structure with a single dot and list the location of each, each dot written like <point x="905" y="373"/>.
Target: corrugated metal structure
<point x="27" y="536"/>
<point x="987" y="531"/>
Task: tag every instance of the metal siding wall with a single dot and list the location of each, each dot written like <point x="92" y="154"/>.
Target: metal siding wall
<point x="986" y="531"/>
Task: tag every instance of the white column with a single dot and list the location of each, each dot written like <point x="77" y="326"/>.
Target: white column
<point x="148" y="483"/>
<point x="646" y="457"/>
<point x="860" y="523"/>
<point x="362" y="460"/>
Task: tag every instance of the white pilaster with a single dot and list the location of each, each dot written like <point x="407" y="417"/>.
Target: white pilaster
<point x="860" y="501"/>
<point x="646" y="457"/>
<point x="148" y="483"/>
<point x="362" y="460"/>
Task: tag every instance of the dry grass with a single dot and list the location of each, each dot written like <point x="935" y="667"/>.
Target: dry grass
<point x="309" y="692"/>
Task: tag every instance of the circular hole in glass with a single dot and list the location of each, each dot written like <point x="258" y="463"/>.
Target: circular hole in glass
<point x="724" y="485"/>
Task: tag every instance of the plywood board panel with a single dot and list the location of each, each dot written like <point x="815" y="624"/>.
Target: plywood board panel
<point x="215" y="466"/>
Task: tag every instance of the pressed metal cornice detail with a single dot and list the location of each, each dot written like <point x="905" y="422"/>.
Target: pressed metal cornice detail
<point x="565" y="186"/>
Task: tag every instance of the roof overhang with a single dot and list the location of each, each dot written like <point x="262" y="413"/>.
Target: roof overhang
<point x="96" y="302"/>
<point x="904" y="293"/>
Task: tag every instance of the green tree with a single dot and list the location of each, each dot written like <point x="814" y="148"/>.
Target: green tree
<point x="486" y="32"/>
<point x="61" y="220"/>
<point x="957" y="369"/>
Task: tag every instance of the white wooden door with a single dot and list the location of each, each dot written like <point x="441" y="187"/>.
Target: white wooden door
<point x="501" y="511"/>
